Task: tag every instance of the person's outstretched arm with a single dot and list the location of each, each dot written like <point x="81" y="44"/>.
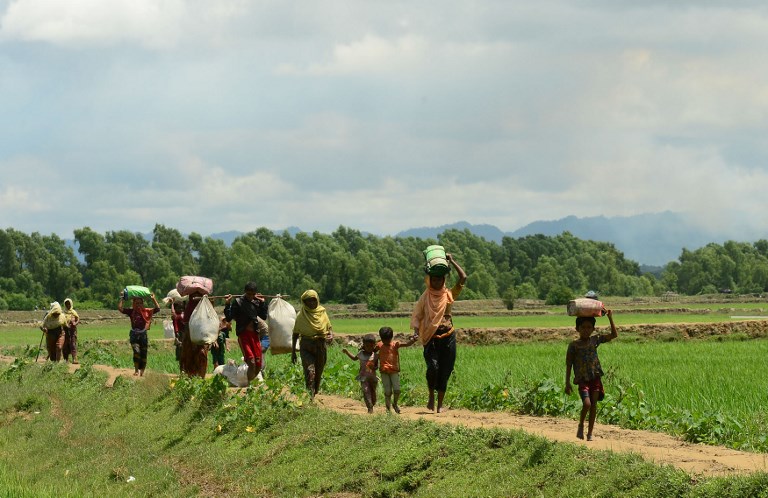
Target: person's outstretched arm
<point x="351" y="356"/>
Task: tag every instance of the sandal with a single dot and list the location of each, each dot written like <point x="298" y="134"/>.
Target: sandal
<point x="580" y="432"/>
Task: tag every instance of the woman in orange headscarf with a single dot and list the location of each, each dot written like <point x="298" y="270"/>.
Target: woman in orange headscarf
<point x="431" y="321"/>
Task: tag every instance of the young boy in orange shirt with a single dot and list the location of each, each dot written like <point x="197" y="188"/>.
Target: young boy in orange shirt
<point x="389" y="365"/>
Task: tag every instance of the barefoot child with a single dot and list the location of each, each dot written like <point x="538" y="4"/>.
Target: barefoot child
<point x="367" y="374"/>
<point x="389" y="365"/>
<point x="582" y="359"/>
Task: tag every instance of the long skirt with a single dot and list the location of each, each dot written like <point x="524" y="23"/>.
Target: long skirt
<point x="313" y="357"/>
<point x="194" y="357"/>
<point x="54" y="342"/>
<point x="440" y="357"/>
<point x="70" y="343"/>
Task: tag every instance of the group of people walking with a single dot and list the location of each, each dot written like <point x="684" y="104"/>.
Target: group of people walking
<point x="431" y="322"/>
<point x="60" y="331"/>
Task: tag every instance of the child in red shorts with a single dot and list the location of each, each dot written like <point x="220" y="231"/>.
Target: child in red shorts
<point x="582" y="359"/>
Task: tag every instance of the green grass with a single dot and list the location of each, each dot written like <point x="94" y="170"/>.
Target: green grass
<point x="402" y="325"/>
<point x="660" y="383"/>
<point x="66" y="435"/>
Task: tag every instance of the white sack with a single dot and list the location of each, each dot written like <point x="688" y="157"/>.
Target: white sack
<point x="173" y="297"/>
<point x="168" y="329"/>
<point x="280" y="318"/>
<point x="237" y="376"/>
<point x="204" y="323"/>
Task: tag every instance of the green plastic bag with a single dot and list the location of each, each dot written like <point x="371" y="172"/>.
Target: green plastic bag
<point x="132" y="291"/>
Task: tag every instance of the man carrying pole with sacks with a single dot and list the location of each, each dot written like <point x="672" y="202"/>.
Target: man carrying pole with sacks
<point x="246" y="310"/>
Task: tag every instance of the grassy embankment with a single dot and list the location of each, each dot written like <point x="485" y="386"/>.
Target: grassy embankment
<point x="704" y="390"/>
<point x="66" y="435"/>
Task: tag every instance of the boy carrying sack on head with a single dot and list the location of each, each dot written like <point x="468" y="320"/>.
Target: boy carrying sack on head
<point x="582" y="359"/>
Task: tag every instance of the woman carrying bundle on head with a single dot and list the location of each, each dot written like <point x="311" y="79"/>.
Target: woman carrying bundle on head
<point x="432" y="322"/>
<point x="141" y="320"/>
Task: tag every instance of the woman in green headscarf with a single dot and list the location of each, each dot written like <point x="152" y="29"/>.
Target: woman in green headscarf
<point x="314" y="328"/>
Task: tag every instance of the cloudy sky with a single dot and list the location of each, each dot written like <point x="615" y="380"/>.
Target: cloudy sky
<point x="209" y="116"/>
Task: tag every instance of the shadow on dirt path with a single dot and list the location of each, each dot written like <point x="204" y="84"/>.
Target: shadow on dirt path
<point x="662" y="449"/>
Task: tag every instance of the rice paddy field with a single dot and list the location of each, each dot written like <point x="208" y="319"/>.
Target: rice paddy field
<point x="663" y="384"/>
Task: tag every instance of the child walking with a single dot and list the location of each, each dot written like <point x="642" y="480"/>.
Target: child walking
<point x="220" y="347"/>
<point x="582" y="359"/>
<point x="367" y="374"/>
<point x="389" y="365"/>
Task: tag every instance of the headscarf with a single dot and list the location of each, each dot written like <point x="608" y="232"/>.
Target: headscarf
<point x="70" y="313"/>
<point x="430" y="310"/>
<point x="55" y="318"/>
<point x="312" y="323"/>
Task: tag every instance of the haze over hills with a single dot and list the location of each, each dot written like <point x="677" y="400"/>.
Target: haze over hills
<point x="649" y="239"/>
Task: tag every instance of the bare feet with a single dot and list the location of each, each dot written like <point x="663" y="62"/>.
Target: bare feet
<point x="580" y="432"/>
<point x="397" y="408"/>
<point x="589" y="437"/>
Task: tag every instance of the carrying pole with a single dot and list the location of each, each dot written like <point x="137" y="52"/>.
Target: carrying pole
<point x="39" y="347"/>
<point x="240" y="295"/>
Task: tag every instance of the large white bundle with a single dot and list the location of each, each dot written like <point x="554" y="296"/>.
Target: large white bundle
<point x="173" y="297"/>
<point x="204" y="323"/>
<point x="280" y="318"/>
<point x="168" y="329"/>
<point x="237" y="376"/>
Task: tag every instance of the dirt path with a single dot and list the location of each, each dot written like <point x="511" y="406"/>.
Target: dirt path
<point x="697" y="459"/>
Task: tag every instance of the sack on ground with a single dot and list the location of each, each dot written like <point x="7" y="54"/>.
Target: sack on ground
<point x="204" y="323"/>
<point x="189" y="284"/>
<point x="132" y="291"/>
<point x="281" y="317"/>
<point x="168" y="329"/>
<point x="585" y="306"/>
<point x="237" y="375"/>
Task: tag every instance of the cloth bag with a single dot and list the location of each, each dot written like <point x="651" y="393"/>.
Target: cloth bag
<point x="281" y="317"/>
<point x="204" y="323"/>
<point x="168" y="329"/>
<point x="189" y="284"/>
<point x="585" y="306"/>
<point x="132" y="291"/>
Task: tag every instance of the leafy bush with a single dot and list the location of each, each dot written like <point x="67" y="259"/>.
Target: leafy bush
<point x="560" y="294"/>
<point x="509" y="297"/>
<point x="381" y="296"/>
<point x="20" y="302"/>
<point x="544" y="397"/>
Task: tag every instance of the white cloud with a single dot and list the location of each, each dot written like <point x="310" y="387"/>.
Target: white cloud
<point x="149" y="23"/>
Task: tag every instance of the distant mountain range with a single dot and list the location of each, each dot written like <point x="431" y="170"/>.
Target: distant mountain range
<point x="650" y="239"/>
<point x="653" y="240"/>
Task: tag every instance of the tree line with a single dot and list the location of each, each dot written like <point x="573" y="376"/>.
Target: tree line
<point x="349" y="267"/>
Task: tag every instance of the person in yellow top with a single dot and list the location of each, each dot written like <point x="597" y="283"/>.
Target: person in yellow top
<point x="70" y="331"/>
<point x="432" y="322"/>
<point x="314" y="328"/>
<point x="53" y="326"/>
